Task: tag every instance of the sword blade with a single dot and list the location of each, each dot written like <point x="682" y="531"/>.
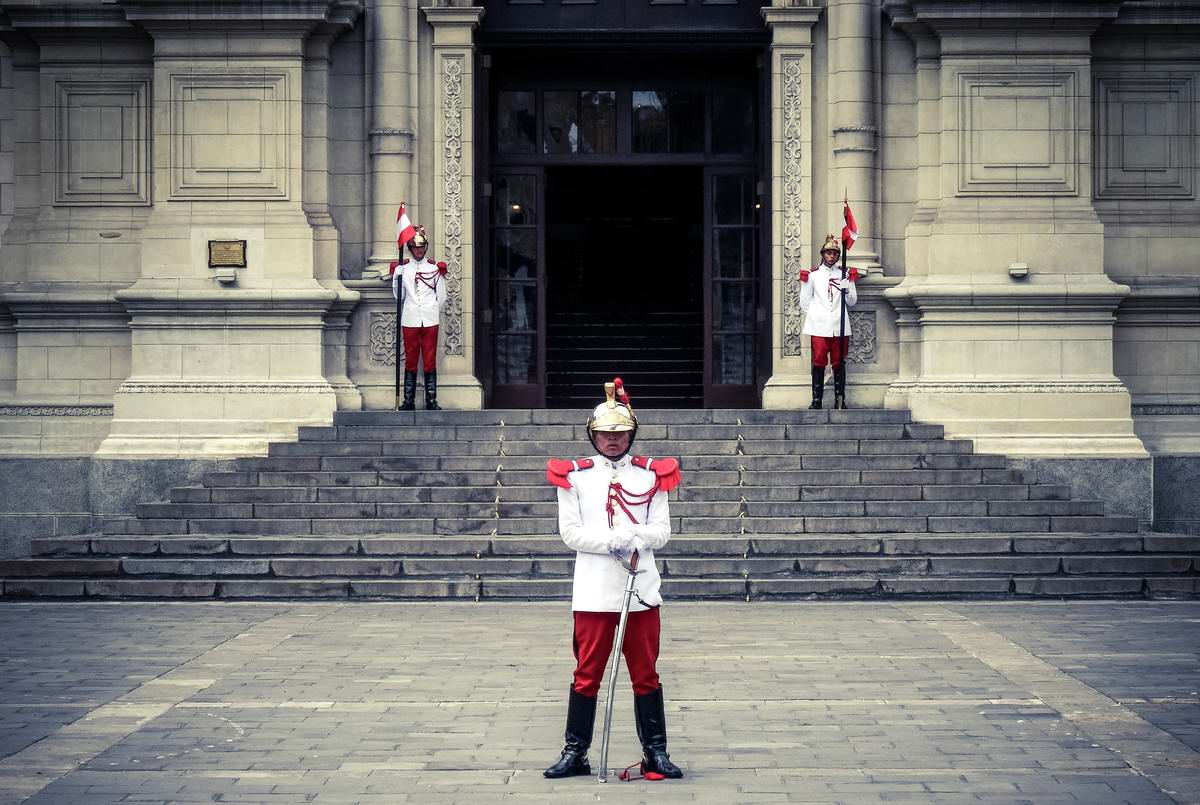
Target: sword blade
<point x="618" y="647"/>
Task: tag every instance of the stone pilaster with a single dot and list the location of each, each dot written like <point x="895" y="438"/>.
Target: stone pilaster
<point x="393" y="48"/>
<point x="326" y="238"/>
<point x="454" y="196"/>
<point x="791" y="198"/>
<point x="222" y="367"/>
<point x="853" y="45"/>
<point x="1006" y="314"/>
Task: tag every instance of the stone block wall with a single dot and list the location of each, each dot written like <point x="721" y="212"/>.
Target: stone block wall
<point x="1147" y="126"/>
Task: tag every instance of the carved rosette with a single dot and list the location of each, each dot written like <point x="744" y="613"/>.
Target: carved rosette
<point x="862" y="337"/>
<point x="452" y="121"/>
<point x="383" y="339"/>
<point x="792" y="341"/>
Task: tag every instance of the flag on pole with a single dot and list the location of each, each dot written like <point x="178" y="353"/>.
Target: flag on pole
<point x="404" y="228"/>
<point x="850" y="230"/>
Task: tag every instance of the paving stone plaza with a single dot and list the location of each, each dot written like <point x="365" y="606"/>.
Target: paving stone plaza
<point x="851" y="702"/>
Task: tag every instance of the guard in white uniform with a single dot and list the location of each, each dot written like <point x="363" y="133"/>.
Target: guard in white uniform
<point x="421" y="283"/>
<point x="612" y="503"/>
<point x="821" y="292"/>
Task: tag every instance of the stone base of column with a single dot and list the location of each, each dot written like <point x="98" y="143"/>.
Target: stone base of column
<point x="1027" y="417"/>
<point x="457" y="391"/>
<point x="212" y="419"/>
<point x="787" y="391"/>
<point x="221" y="374"/>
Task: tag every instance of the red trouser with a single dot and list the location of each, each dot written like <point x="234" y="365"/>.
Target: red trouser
<point x="420" y="341"/>
<point x="833" y="347"/>
<point x="594" y="634"/>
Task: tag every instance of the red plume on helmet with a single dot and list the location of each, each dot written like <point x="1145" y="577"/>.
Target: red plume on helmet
<point x="622" y="394"/>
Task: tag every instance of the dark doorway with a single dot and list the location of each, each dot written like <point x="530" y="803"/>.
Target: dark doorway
<point x="625" y="284"/>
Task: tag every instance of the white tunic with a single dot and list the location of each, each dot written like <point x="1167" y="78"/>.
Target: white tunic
<point x="422" y="304"/>
<point x="583" y="524"/>
<point x="822" y="303"/>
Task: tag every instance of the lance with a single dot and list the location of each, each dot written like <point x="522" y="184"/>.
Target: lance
<point x="618" y="646"/>
<point x="399" y="311"/>
<point x="845" y="248"/>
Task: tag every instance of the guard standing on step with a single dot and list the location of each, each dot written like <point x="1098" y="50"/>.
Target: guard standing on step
<point x="421" y="284"/>
<point x="614" y="505"/>
<point x="821" y="291"/>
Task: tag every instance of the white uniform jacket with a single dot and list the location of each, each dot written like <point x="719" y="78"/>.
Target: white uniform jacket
<point x="822" y="303"/>
<point x="583" y="524"/>
<point x="422" y="304"/>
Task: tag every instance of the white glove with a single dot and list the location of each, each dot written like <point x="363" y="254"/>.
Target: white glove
<point x="622" y="540"/>
<point x="638" y="545"/>
<point x="841" y="285"/>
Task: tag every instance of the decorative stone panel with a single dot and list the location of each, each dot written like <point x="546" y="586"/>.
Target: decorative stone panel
<point x="864" y="337"/>
<point x="1144" y="131"/>
<point x="1017" y="133"/>
<point x="452" y="164"/>
<point x="383" y="339"/>
<point x="229" y="135"/>
<point x="793" y="200"/>
<point x="101" y="132"/>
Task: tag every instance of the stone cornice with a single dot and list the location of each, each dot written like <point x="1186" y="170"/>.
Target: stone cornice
<point x="271" y="17"/>
<point x="201" y="303"/>
<point x="966" y="17"/>
<point x="1159" y="12"/>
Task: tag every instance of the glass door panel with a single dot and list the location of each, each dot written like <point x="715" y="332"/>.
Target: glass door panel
<point x="517" y="303"/>
<point x="732" y="211"/>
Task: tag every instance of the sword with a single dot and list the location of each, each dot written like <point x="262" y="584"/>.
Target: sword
<point x="618" y="645"/>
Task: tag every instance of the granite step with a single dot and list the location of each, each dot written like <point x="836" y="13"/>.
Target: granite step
<point x="737" y="587"/>
<point x="717" y="545"/>
<point x="648" y="415"/>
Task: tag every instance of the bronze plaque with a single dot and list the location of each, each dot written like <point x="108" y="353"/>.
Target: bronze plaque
<point x="227" y="254"/>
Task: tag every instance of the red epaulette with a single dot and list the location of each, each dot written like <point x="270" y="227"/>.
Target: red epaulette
<point x="854" y="275"/>
<point x="804" y="272"/>
<point x="667" y="470"/>
<point x="442" y="268"/>
<point x="557" y="470"/>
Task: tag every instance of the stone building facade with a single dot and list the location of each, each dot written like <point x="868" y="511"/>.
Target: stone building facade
<point x="1024" y="175"/>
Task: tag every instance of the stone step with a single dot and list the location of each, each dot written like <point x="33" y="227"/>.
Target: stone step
<point x="550" y="416"/>
<point x="651" y="433"/>
<point x="446" y="454"/>
<point x="739" y="588"/>
<point x="724" y="545"/>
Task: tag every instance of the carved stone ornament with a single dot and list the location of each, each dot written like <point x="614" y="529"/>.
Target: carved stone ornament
<point x="1009" y="387"/>
<point x="863" y="338"/>
<point x="56" y="410"/>
<point x="452" y="234"/>
<point x="792" y="340"/>
<point x="1166" y="410"/>
<point x="222" y="387"/>
<point x="383" y="339"/>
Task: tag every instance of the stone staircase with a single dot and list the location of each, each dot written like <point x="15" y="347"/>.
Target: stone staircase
<point x="774" y="505"/>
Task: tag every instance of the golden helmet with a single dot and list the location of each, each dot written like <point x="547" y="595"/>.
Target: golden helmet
<point x="613" y="415"/>
<point x="418" y="239"/>
<point x="831" y="244"/>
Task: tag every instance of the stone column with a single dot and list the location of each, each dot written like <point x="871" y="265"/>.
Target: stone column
<point x="791" y="198"/>
<point x="223" y="363"/>
<point x="79" y="142"/>
<point x="853" y="43"/>
<point x="393" y="124"/>
<point x="326" y="238"/>
<point x="454" y="196"/>
<point x="1007" y="311"/>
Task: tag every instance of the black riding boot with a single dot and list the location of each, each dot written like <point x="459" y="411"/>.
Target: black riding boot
<point x="818" y="373"/>
<point x="839" y="386"/>
<point x="410" y="392"/>
<point x="581" y="717"/>
<point x="431" y="392"/>
<point x="651" y="721"/>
